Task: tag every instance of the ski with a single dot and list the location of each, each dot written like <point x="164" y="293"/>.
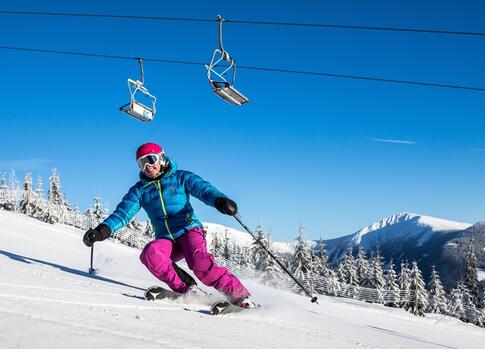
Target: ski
<point x="157" y="293"/>
<point x="225" y="307"/>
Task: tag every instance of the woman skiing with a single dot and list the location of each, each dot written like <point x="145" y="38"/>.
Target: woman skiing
<point x="163" y="192"/>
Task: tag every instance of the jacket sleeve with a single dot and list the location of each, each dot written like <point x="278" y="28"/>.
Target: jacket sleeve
<point x="125" y="211"/>
<point x="197" y="187"/>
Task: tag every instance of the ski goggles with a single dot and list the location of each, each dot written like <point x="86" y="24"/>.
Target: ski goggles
<point x="150" y="159"/>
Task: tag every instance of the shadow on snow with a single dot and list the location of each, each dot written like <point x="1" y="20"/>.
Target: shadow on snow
<point x="29" y="260"/>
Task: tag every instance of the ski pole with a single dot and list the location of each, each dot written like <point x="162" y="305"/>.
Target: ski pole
<point x="91" y="269"/>
<point x="239" y="219"/>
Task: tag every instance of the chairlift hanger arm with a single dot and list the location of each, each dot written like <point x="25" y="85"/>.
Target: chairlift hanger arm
<point x="142" y="74"/>
<point x="225" y="54"/>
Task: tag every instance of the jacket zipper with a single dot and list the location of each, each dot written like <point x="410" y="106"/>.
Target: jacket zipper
<point x="164" y="210"/>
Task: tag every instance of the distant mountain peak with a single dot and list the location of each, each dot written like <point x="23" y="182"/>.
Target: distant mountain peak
<point x="407" y="224"/>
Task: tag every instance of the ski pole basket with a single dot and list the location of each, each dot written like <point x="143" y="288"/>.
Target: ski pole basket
<point x="221" y="73"/>
<point x="136" y="108"/>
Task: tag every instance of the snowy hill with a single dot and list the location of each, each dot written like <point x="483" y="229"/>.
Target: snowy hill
<point x="243" y="239"/>
<point x="403" y="226"/>
<point x="409" y="236"/>
<point x="47" y="300"/>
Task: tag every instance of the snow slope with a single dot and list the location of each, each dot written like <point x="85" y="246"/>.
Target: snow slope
<point x="47" y="300"/>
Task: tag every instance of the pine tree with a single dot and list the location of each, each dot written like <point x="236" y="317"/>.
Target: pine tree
<point x="137" y="227"/>
<point x="455" y="305"/>
<point x="226" y="253"/>
<point x="216" y="246"/>
<point x="272" y="272"/>
<point x="54" y="211"/>
<point x="392" y="289"/>
<point x="471" y="275"/>
<point x="348" y="274"/>
<point x="26" y="205"/>
<point x="470" y="310"/>
<point x="404" y="284"/>
<point x="3" y="191"/>
<point x="96" y="212"/>
<point x="245" y="258"/>
<point x="368" y="281"/>
<point x="149" y="231"/>
<point x="378" y="276"/>
<point x="11" y="203"/>
<point x="437" y="295"/>
<point x="325" y="278"/>
<point x="39" y="190"/>
<point x="257" y="251"/>
<point x="418" y="302"/>
<point x="54" y="194"/>
<point x="482" y="301"/>
<point x="39" y="202"/>
<point x="362" y="264"/>
<point x="301" y="262"/>
<point x="480" y="320"/>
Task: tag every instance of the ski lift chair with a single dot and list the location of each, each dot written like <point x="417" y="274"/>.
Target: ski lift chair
<point x="216" y="74"/>
<point x="135" y="108"/>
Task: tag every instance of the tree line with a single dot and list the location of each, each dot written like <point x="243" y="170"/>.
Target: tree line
<point x="357" y="276"/>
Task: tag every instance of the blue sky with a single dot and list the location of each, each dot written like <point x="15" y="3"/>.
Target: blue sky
<point x="330" y="154"/>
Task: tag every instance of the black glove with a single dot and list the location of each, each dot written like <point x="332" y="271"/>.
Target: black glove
<point x="226" y="206"/>
<point x="100" y="233"/>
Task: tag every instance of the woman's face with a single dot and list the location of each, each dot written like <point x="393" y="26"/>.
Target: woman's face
<point x="151" y="171"/>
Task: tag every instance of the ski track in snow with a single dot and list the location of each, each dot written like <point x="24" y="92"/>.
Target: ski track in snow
<point x="48" y="300"/>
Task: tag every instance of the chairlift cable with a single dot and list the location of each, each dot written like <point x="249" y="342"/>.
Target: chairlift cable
<point x="250" y="22"/>
<point x="255" y="68"/>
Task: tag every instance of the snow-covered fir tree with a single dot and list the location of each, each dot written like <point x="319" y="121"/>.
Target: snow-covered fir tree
<point x="52" y="214"/>
<point x="391" y="298"/>
<point x="455" y="305"/>
<point x="418" y="302"/>
<point x="404" y="284"/>
<point x="301" y="261"/>
<point x="480" y="320"/>
<point x="272" y="271"/>
<point x="482" y="301"/>
<point x="363" y="268"/>
<point x="350" y="268"/>
<point x="226" y="252"/>
<point x="39" y="202"/>
<point x="244" y="258"/>
<point x="257" y="250"/>
<point x="54" y="194"/>
<point x="437" y="296"/>
<point x="136" y="226"/>
<point x="378" y="279"/>
<point x="471" y="275"/>
<point x="326" y="279"/>
<point x="216" y="246"/>
<point x="39" y="188"/>
<point x="12" y="192"/>
<point x="470" y="310"/>
<point x="3" y="191"/>
<point x="96" y="211"/>
<point x="347" y="273"/>
<point x="26" y="205"/>
<point x="321" y="265"/>
<point x="149" y="231"/>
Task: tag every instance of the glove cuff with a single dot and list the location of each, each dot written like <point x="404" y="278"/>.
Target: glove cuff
<point x="104" y="230"/>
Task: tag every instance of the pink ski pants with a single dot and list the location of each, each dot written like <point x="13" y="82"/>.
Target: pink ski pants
<point x="158" y="256"/>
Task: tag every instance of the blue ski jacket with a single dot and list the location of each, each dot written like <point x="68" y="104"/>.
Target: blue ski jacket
<point x="166" y="201"/>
